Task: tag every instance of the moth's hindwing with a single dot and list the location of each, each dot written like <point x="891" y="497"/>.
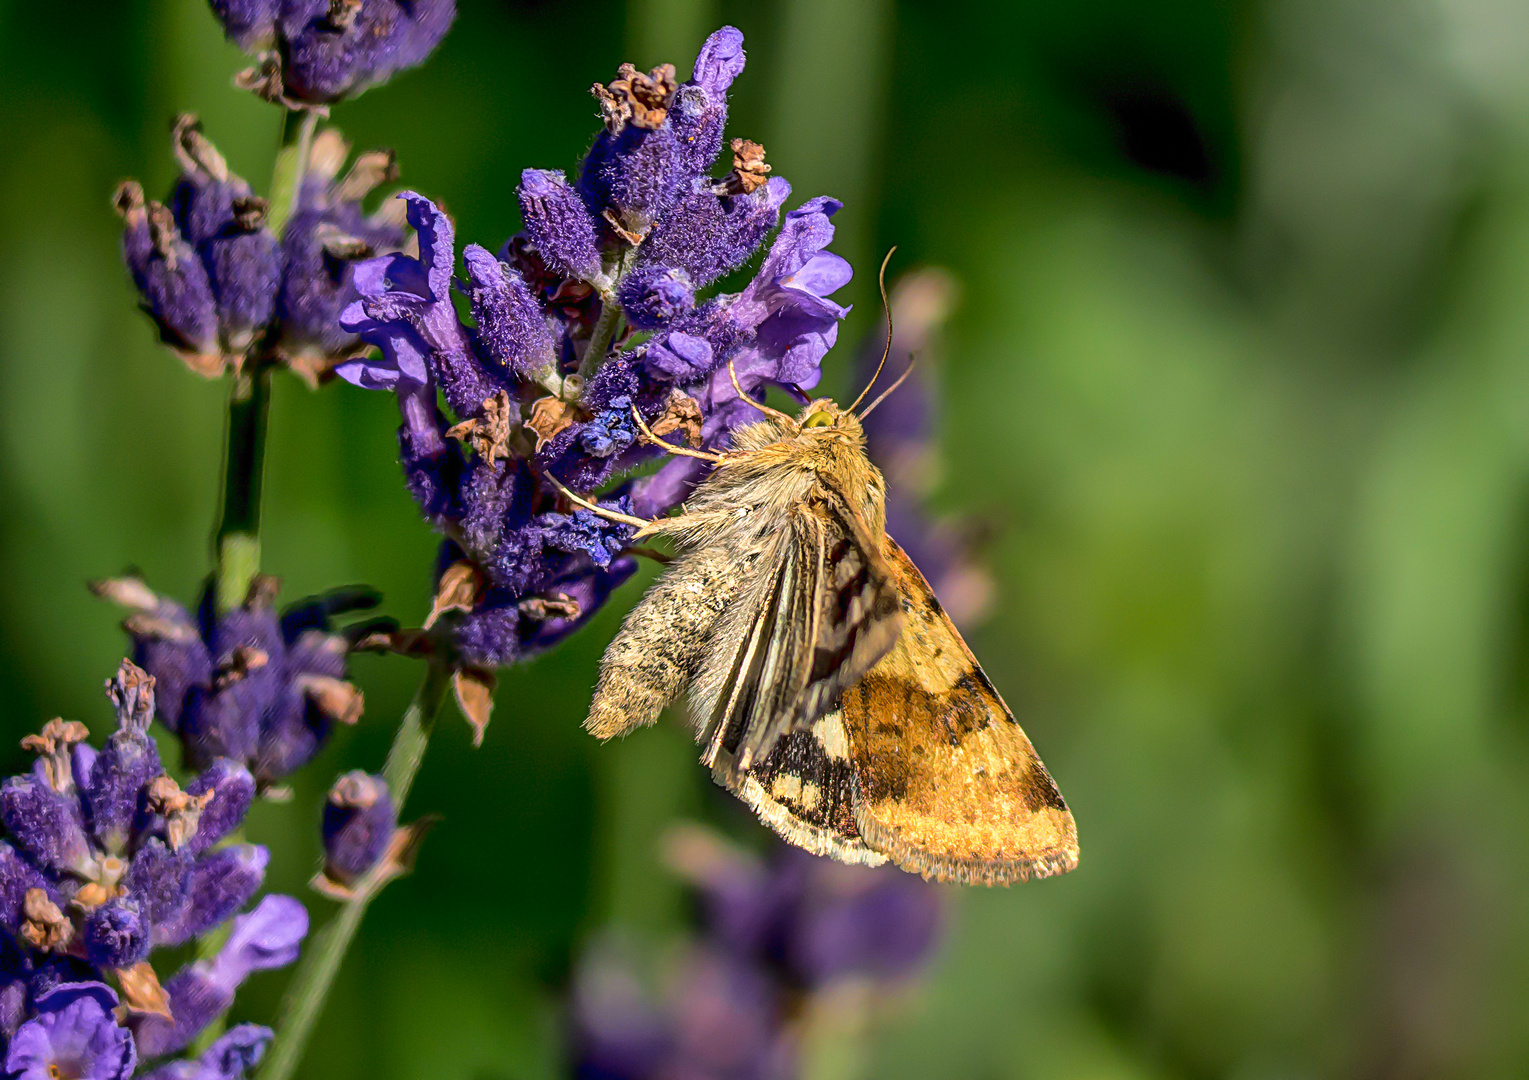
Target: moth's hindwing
<point x="947" y="783"/>
<point x="804" y="789"/>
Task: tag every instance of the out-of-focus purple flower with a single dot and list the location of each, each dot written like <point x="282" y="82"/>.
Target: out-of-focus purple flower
<point x="73" y="1034"/>
<point x="619" y="1029"/>
<point x="234" y="1054"/>
<point x="324" y="239"/>
<point x="112" y="858"/>
<point x="358" y="825"/>
<point x="172" y="283"/>
<point x="225" y="221"/>
<point x="315" y="52"/>
<point x="546" y="380"/>
<point x="251" y="686"/>
<point x="249" y="24"/>
<point x="813" y="919"/>
<point x="776" y="936"/>
<point x="364" y="846"/>
<point x="268" y="937"/>
<point x="217" y="282"/>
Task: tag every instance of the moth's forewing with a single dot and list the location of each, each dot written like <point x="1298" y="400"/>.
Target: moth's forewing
<point x="804" y="789"/>
<point x="947" y="783"/>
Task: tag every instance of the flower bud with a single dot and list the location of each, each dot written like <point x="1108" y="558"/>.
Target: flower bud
<point x="358" y="825"/>
<point x="558" y="225"/>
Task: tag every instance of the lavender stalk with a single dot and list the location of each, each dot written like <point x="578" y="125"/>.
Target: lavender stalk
<point x="237" y="541"/>
<point x="321" y="960"/>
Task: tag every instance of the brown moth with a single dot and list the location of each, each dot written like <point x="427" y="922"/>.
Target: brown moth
<point x="828" y="688"/>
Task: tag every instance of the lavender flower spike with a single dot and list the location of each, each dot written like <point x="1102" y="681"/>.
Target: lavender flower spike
<point x="546" y="380"/>
<point x="115" y="858"/>
<point x="251" y="694"/>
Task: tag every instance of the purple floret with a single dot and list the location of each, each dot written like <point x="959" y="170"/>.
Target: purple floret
<point x="72" y="1034"/>
<point x="268" y="937"/>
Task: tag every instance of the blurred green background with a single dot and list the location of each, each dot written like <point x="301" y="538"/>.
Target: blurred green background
<point x="1239" y="377"/>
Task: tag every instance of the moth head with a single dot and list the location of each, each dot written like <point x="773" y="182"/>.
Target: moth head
<point x="824" y="415"/>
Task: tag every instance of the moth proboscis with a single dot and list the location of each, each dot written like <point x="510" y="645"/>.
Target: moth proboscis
<point x="828" y="687"/>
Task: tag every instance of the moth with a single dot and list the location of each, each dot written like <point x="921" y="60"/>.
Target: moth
<point x="828" y="688"/>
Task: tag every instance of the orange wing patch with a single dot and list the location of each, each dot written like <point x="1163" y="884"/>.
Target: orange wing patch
<point x="948" y="784"/>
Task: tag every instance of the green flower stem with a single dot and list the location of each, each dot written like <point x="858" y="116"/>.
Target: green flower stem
<point x="600" y="338"/>
<point x="237" y="543"/>
<point x="325" y="951"/>
<point x="297" y="132"/>
<point x="238" y="538"/>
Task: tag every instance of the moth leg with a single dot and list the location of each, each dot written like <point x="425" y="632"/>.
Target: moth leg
<point x="661" y="643"/>
<point x="682" y="451"/>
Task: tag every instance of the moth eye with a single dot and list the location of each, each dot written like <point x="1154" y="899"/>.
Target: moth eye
<point x="818" y="419"/>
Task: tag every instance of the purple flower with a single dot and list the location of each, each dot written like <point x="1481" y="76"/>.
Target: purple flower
<point x="252" y="686"/>
<point x="709" y="233"/>
<point x="112" y="858"/>
<point x="172" y="282"/>
<point x="268" y="937"/>
<point x="327" y="235"/>
<point x="73" y="1034"/>
<point x="511" y="329"/>
<point x="358" y="825"/>
<point x="655" y="296"/>
<point x="558" y="225"/>
<point x="776" y="935"/>
<point x="315" y="52"/>
<point x="234" y="1054"/>
<point x="545" y="381"/>
<point x="249" y="24"/>
<point x="406" y="310"/>
<point x="224" y="220"/>
<point x="218" y="283"/>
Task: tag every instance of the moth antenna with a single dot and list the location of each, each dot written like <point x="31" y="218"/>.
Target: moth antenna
<point x="881" y="283"/>
<point x="732" y="373"/>
<point x="912" y="363"/>
<point x="612" y="515"/>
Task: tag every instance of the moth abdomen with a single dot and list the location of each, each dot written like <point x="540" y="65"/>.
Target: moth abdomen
<point x="661" y="642"/>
